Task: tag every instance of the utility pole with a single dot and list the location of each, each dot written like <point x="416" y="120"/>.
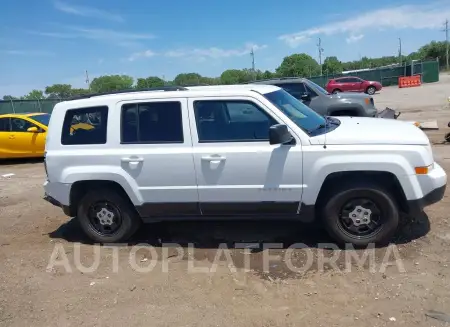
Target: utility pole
<point x="446" y="42"/>
<point x="252" y="54"/>
<point x="319" y="46"/>
<point x="400" y="50"/>
<point x="87" y="81"/>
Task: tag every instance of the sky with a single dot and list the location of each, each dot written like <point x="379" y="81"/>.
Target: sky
<point x="44" y="42"/>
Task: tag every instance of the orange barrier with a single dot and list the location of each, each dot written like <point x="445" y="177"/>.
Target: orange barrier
<point x="409" y="81"/>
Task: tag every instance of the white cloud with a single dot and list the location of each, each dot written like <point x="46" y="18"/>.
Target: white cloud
<point x="429" y="16"/>
<point x="124" y="39"/>
<point x="143" y="54"/>
<point x="32" y="53"/>
<point x="354" y="38"/>
<point x="87" y="12"/>
<point x="214" y="52"/>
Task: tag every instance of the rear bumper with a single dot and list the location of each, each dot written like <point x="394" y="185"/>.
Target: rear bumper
<point x="415" y="207"/>
<point x="388" y="113"/>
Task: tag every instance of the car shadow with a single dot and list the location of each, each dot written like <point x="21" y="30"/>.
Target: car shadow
<point x="21" y="161"/>
<point x="212" y="234"/>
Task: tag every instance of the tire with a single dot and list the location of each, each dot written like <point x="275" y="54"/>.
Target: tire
<point x="114" y="203"/>
<point x="336" y="91"/>
<point x="334" y="204"/>
<point x="371" y="90"/>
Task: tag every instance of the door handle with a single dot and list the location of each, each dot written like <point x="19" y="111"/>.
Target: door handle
<point x="132" y="159"/>
<point x="12" y="137"/>
<point x="213" y="158"/>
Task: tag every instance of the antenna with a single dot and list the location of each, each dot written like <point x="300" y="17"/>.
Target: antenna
<point x="87" y="80"/>
<point x="325" y="138"/>
<point x="319" y="46"/>
<point x="252" y="54"/>
<point x="446" y="42"/>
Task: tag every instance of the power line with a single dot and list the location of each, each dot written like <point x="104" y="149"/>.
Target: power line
<point x="446" y="42"/>
<point x="319" y="46"/>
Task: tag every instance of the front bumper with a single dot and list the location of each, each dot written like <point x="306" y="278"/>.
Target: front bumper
<point x="388" y="113"/>
<point x="65" y="209"/>
<point x="416" y="207"/>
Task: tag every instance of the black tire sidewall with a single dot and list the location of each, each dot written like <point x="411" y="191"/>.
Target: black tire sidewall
<point x="130" y="221"/>
<point x="389" y="210"/>
<point x="371" y="88"/>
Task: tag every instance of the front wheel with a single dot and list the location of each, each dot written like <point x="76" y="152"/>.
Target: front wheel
<point x="336" y="91"/>
<point x="360" y="216"/>
<point x="371" y="90"/>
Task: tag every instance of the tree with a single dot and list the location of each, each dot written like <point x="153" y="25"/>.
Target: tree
<point x="9" y="97"/>
<point x="109" y="83"/>
<point x="299" y="64"/>
<point x="187" y="79"/>
<point x="152" y="81"/>
<point x="332" y="65"/>
<point x="34" y="95"/>
<point x="434" y="50"/>
<point x="59" y="91"/>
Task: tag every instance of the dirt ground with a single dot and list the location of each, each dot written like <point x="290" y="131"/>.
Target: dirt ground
<point x="187" y="284"/>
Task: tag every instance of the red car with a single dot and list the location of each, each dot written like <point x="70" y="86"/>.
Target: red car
<point x="352" y="84"/>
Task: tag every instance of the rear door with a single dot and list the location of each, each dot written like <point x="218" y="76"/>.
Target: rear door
<point x="156" y="152"/>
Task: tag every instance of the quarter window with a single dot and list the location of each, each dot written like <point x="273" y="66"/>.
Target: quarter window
<point x="152" y="122"/>
<point x="231" y="121"/>
<point x="85" y="126"/>
<point x="4" y="125"/>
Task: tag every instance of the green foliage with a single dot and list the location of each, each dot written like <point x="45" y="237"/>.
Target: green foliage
<point x="152" y="81"/>
<point x="332" y="65"/>
<point x="34" y="95"/>
<point x="298" y="65"/>
<point x="110" y="83"/>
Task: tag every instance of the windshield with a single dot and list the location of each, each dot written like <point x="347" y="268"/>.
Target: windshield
<point x="317" y="87"/>
<point x="43" y="119"/>
<point x="303" y="116"/>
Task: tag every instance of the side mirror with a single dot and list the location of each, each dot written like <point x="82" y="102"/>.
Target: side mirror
<point x="305" y="97"/>
<point x="279" y="134"/>
<point x="33" y="129"/>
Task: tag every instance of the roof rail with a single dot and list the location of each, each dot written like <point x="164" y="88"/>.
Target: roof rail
<point x="162" y="88"/>
<point x="273" y="79"/>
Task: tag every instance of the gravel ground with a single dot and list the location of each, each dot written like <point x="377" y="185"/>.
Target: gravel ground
<point x="205" y="280"/>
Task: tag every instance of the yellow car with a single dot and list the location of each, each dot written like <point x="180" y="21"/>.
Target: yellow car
<point x="23" y="135"/>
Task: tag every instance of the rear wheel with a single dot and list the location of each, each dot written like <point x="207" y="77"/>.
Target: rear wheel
<point x="371" y="90"/>
<point x="360" y="215"/>
<point x="107" y="217"/>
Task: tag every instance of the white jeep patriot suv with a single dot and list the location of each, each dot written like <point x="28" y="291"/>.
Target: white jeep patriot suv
<point x="238" y="151"/>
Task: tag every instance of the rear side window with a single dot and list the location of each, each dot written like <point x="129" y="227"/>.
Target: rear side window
<point x="85" y="126"/>
<point x="152" y="123"/>
<point x="294" y="89"/>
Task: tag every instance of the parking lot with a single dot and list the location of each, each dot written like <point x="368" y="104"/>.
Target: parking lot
<point x="186" y="284"/>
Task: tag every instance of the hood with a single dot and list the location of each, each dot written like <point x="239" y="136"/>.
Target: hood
<point x="350" y="95"/>
<point x="376" y="131"/>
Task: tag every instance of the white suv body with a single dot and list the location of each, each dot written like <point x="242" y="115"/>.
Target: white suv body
<point x="207" y="152"/>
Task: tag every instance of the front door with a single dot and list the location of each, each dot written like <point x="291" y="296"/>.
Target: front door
<point x="238" y="171"/>
<point x="23" y="143"/>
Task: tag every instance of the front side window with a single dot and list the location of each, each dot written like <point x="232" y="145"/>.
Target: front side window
<point x="303" y="116"/>
<point x="231" y="121"/>
<point x="44" y="119"/>
<point x="4" y="125"/>
<point x="20" y="125"/>
<point x="316" y="87"/>
<point x="152" y="123"/>
<point x="85" y="126"/>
